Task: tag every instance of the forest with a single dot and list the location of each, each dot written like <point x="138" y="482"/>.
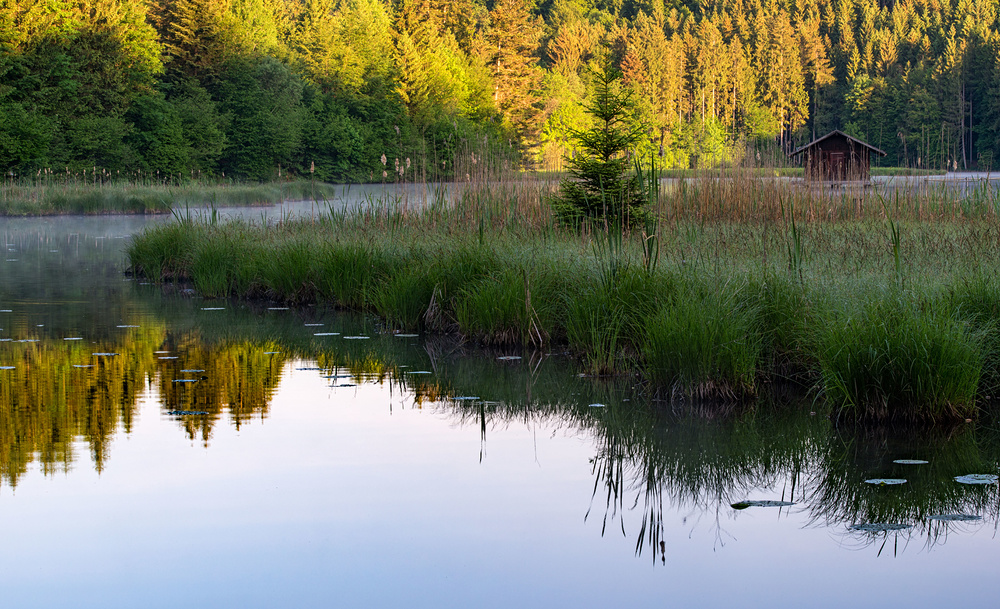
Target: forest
<point x="382" y="90"/>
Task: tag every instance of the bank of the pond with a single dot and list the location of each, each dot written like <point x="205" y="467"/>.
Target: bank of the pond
<point x="880" y="319"/>
<point x="105" y="195"/>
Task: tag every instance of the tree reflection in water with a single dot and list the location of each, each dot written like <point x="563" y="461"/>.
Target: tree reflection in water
<point x="649" y="456"/>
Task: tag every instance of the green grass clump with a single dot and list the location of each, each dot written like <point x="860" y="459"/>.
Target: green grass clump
<point x="705" y="344"/>
<point x="896" y="360"/>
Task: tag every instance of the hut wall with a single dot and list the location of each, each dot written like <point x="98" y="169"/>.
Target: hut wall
<point x="837" y="158"/>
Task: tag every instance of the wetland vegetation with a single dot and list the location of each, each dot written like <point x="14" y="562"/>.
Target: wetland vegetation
<point x="885" y="305"/>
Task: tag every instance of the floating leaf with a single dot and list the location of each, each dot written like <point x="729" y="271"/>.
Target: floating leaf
<point x="977" y="479"/>
<point x="911" y="461"/>
<point x="879" y="527"/>
<point x="886" y="481"/>
<point x="955" y="517"/>
<point x="742" y="505"/>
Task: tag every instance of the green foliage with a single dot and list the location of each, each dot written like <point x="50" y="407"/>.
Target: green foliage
<point x="261" y="98"/>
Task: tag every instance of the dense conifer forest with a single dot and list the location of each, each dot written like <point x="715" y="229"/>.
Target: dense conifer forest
<point x="372" y="90"/>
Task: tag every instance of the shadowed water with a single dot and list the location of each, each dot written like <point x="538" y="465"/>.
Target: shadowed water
<point x="251" y="455"/>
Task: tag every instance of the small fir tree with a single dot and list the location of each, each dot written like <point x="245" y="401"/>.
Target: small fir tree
<point x="601" y="186"/>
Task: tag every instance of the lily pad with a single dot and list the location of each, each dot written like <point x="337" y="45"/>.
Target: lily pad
<point x="955" y="517"/>
<point x="977" y="479"/>
<point x="911" y="461"/>
<point x="886" y="481"/>
<point x="879" y="527"/>
<point x="742" y="505"/>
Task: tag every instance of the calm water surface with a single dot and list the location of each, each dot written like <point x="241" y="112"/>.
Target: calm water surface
<point x="230" y="455"/>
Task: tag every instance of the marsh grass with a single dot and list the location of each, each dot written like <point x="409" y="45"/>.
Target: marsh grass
<point x="891" y="354"/>
<point x="137" y="195"/>
<point x="880" y="302"/>
<point x="705" y="344"/>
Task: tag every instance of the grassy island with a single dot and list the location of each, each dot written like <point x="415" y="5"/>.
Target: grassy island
<point x="885" y="305"/>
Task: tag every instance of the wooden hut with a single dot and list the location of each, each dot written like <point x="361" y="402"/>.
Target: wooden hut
<point x="837" y="157"/>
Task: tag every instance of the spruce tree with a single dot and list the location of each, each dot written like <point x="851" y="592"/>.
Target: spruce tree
<point x="602" y="187"/>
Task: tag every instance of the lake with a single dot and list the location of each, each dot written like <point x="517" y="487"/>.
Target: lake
<point x="158" y="449"/>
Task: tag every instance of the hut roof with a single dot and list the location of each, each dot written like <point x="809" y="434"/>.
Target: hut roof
<point x="816" y="142"/>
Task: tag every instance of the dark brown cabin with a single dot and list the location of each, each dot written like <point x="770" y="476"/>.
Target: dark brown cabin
<point x="837" y="157"/>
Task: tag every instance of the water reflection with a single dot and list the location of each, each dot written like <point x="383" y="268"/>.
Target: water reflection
<point x="649" y="458"/>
